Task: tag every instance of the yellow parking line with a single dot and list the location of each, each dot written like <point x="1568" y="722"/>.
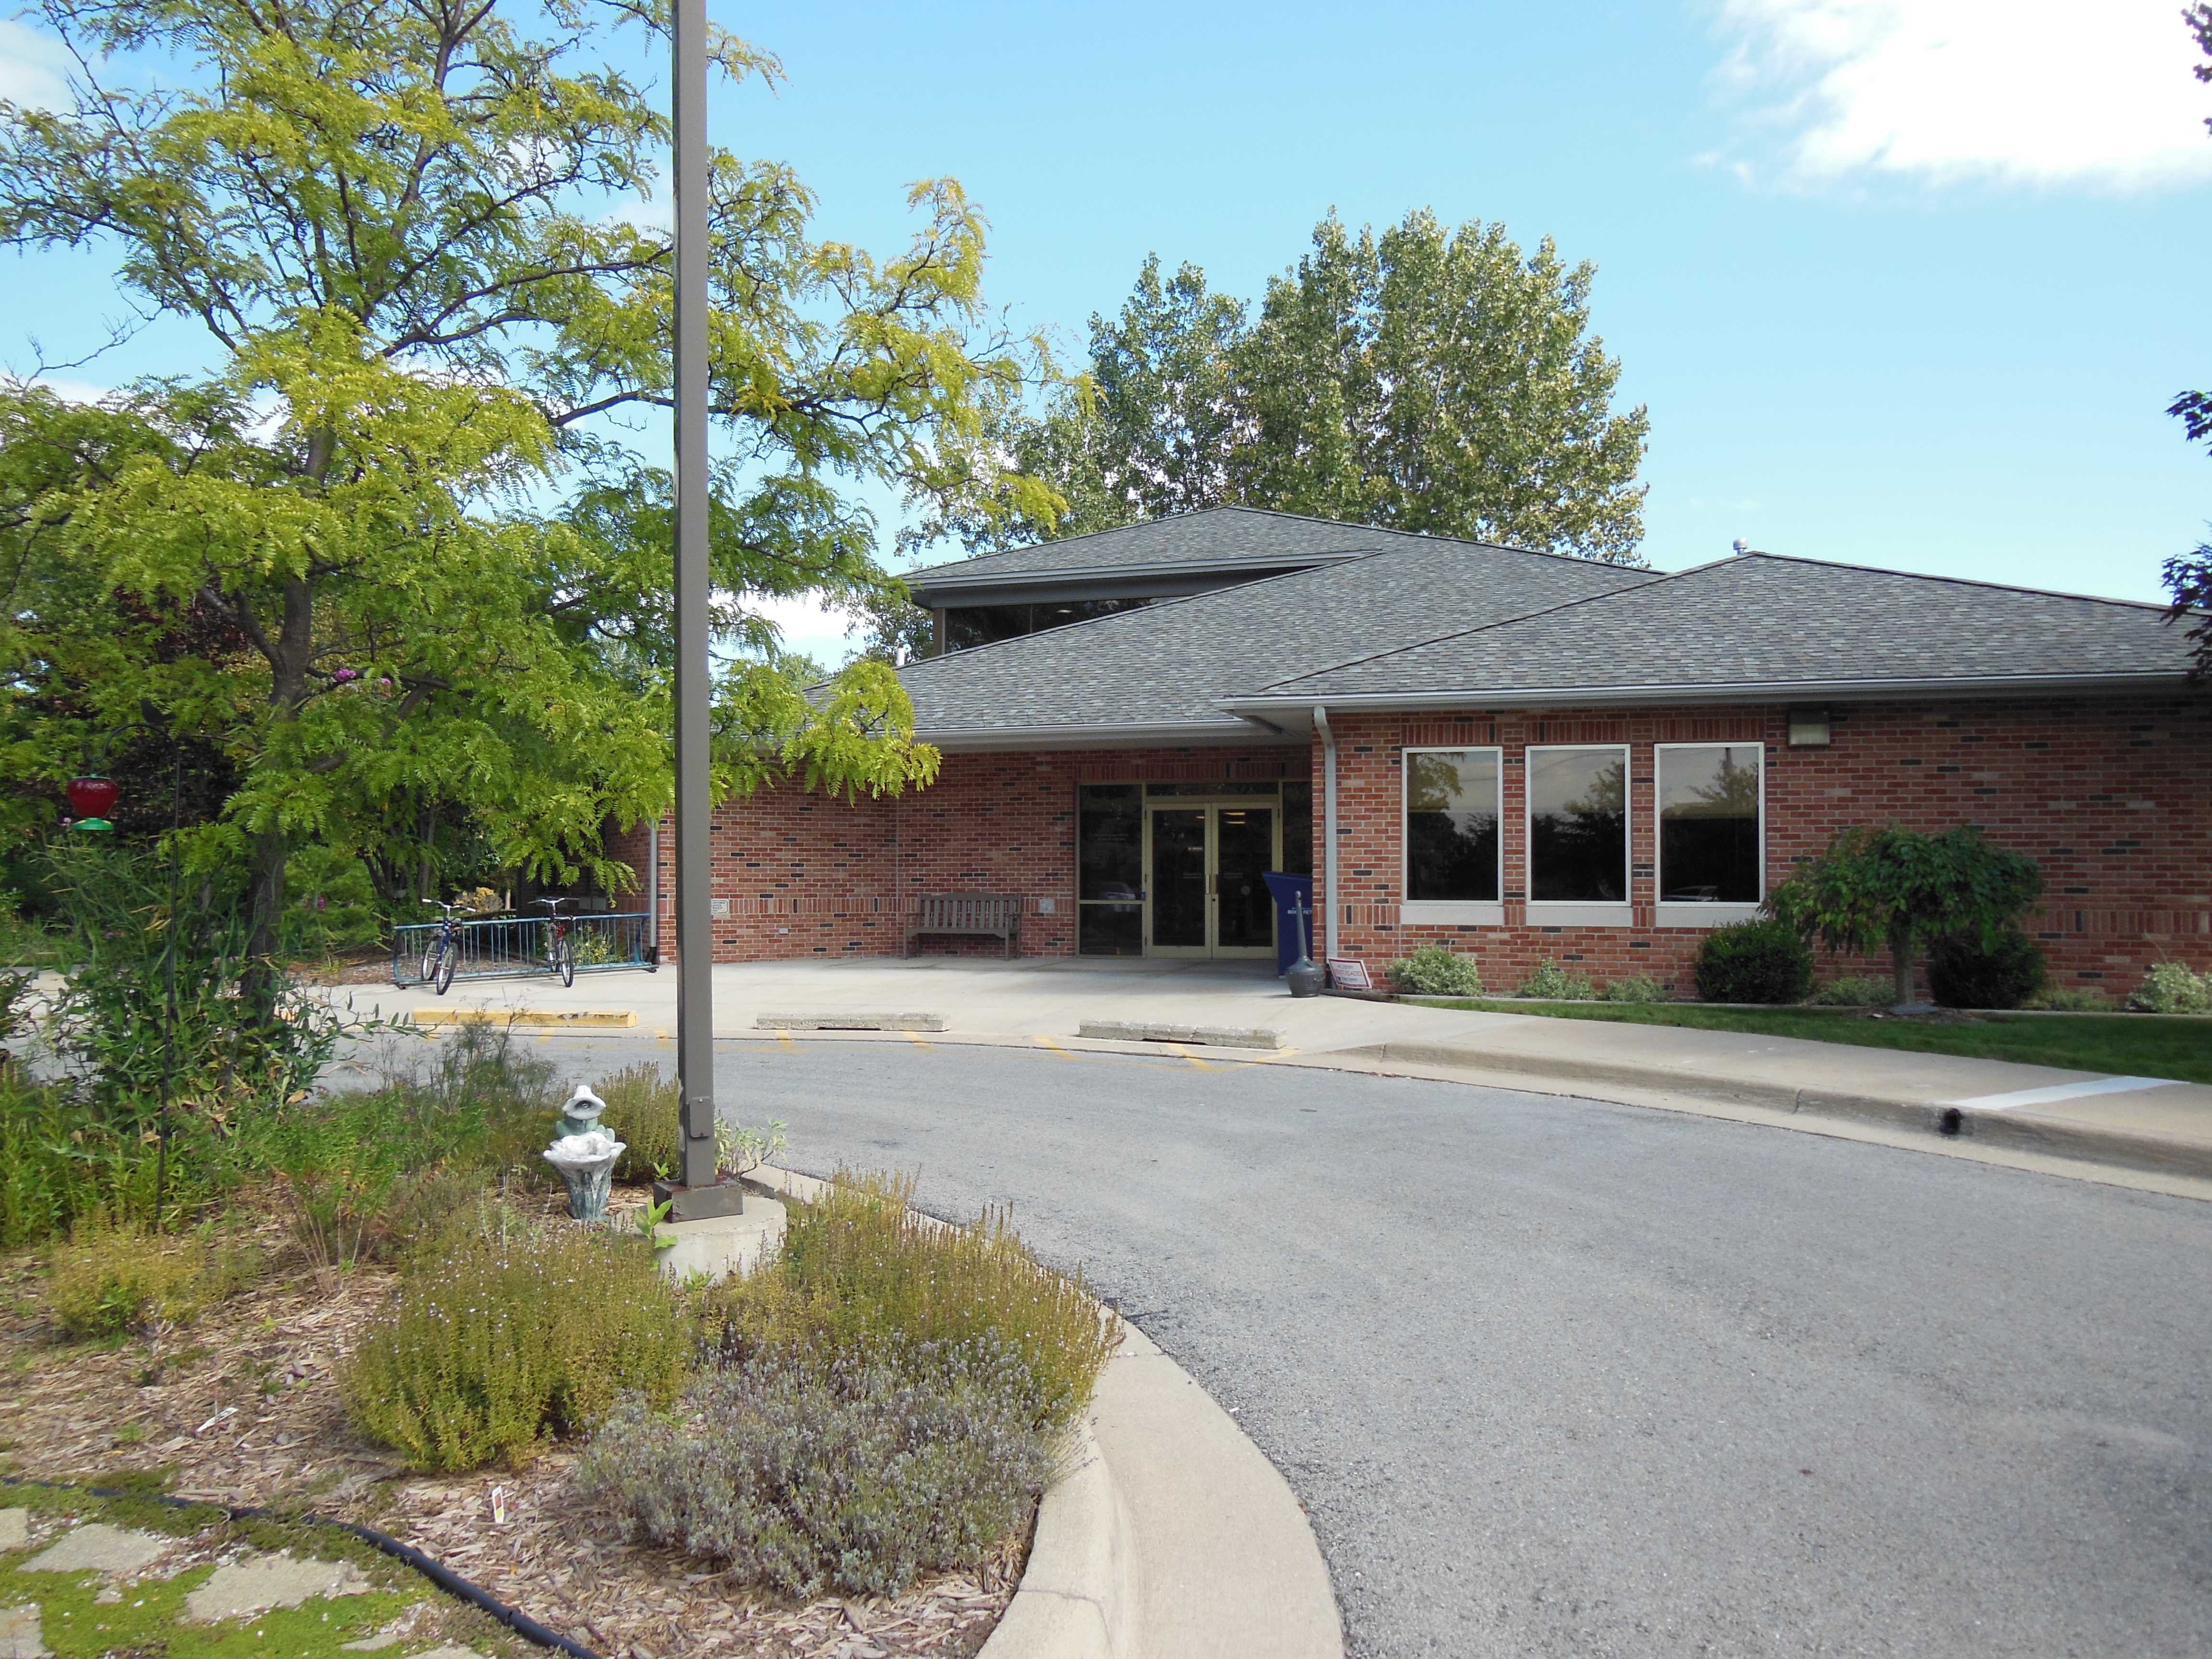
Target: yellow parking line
<point x="783" y="1039"/>
<point x="1052" y="1047"/>
<point x="914" y="1037"/>
<point x="1177" y="1049"/>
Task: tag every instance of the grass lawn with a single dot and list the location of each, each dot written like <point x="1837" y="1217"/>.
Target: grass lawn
<point x="2130" y="1045"/>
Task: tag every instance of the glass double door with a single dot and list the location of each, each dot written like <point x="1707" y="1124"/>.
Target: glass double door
<point x="1205" y="895"/>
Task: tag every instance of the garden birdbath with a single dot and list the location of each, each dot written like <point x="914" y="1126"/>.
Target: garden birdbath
<point x="587" y="1163"/>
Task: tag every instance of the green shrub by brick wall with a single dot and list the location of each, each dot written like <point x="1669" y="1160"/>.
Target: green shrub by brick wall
<point x="1755" y="962"/>
<point x="1435" y="970"/>
<point x="1964" y="971"/>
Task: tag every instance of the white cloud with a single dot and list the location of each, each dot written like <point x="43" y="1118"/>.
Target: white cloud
<point x="73" y="391"/>
<point x="33" y="68"/>
<point x="2086" y="93"/>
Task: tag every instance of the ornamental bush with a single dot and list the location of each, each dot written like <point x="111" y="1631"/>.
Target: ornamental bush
<point x="508" y="1333"/>
<point x="853" y="1470"/>
<point x="113" y="1277"/>
<point x="644" y="1113"/>
<point x="2171" y="989"/>
<point x="1636" y="988"/>
<point x="861" y="1271"/>
<point x="1755" y="962"/>
<point x="1553" y="984"/>
<point x="2071" y="999"/>
<point x="1966" y="971"/>
<point x="1435" y="970"/>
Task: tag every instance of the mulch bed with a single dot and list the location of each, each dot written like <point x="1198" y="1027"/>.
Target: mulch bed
<point x="242" y="1407"/>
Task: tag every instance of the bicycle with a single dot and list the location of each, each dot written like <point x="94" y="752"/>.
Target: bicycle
<point x="442" y="953"/>
<point x="559" y="955"/>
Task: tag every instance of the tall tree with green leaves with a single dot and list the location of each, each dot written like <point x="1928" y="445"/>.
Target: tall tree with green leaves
<point x="400" y="225"/>
<point x="1439" y="381"/>
<point x="1425" y="380"/>
<point x="2189" y="575"/>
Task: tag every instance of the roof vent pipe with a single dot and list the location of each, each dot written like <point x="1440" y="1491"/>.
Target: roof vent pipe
<point x="1328" y="821"/>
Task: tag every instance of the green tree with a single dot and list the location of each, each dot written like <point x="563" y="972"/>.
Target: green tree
<point x="2189" y="575"/>
<point x="392" y="220"/>
<point x="1438" y="381"/>
<point x="1425" y="380"/>
<point x="1896" y="886"/>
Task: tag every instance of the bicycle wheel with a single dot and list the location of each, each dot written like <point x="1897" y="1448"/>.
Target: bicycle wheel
<point x="449" y="956"/>
<point x="564" y="960"/>
<point x="429" y="974"/>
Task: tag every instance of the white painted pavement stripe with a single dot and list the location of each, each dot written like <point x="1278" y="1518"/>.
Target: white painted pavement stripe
<point x="2102" y="1085"/>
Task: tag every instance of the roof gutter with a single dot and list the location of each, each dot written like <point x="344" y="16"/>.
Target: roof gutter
<point x="1720" y="691"/>
<point x="1178" y="734"/>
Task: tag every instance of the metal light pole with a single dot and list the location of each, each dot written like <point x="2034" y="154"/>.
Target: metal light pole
<point x="698" y="1195"/>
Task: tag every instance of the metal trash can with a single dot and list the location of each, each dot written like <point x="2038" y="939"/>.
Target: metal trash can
<point x="1286" y="890"/>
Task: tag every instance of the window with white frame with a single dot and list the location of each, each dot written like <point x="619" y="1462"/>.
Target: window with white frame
<point x="1578" y="825"/>
<point x="1453" y="806"/>
<point x="1709" y="830"/>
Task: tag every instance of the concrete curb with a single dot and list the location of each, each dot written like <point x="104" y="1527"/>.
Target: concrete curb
<point x="1079" y="1596"/>
<point x="2130" y="1149"/>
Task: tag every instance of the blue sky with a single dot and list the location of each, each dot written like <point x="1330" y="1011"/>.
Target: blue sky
<point x="1902" y="281"/>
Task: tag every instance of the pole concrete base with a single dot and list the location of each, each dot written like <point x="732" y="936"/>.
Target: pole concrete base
<point x="700" y="1203"/>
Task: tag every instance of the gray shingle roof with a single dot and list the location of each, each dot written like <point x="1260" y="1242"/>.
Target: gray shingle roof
<point x="1762" y="620"/>
<point x="1161" y="669"/>
<point x="1223" y="538"/>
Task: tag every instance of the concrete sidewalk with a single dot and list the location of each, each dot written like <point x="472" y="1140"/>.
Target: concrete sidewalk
<point x="2031" y="1115"/>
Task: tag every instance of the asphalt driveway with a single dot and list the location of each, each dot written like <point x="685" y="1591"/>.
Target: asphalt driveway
<point x="1557" y="1376"/>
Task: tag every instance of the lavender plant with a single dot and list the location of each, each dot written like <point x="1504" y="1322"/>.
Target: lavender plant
<point x="853" y="1471"/>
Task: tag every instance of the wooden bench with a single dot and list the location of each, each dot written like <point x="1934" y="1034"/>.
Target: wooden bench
<point x="987" y="915"/>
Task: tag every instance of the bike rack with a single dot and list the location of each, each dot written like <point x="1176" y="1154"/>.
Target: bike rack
<point x="506" y="946"/>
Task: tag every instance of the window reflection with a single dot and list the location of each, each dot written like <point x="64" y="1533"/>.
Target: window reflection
<point x="1578" y="825"/>
<point x="1452" y="808"/>
<point x="1709" y="830"/>
<point x="1109" y="857"/>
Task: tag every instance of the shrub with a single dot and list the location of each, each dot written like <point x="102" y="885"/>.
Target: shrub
<point x="1966" y="971"/>
<point x="1434" y="970"/>
<point x="1855" y="991"/>
<point x="507" y="1333"/>
<point x="329" y="903"/>
<point x="843" y="1472"/>
<point x="2170" y="988"/>
<point x="1895" y="886"/>
<point x="1553" y="983"/>
<point x="2071" y="999"/>
<point x="112" y="1278"/>
<point x="861" y="1270"/>
<point x="644" y="1113"/>
<point x="1636" y="987"/>
<point x="1755" y="962"/>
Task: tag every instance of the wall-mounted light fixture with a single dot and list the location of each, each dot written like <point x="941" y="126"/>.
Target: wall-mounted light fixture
<point x="1808" y="728"/>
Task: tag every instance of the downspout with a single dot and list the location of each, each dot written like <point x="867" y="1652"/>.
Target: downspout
<point x="1329" y="819"/>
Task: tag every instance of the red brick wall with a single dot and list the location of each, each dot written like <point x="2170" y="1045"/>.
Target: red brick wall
<point x="807" y="875"/>
<point x="2113" y="799"/>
